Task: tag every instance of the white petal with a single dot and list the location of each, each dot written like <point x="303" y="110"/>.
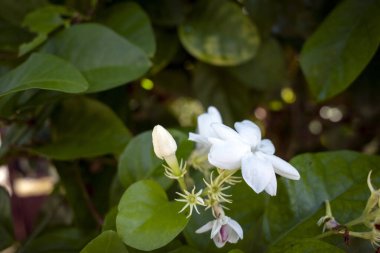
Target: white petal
<point x="215" y="141"/>
<point x="228" y="154"/>
<point x="198" y="138"/>
<point x="236" y="228"/>
<point x="218" y="242"/>
<point x="216" y="226"/>
<point x="233" y="237"/>
<point x="226" y="133"/>
<point x="283" y="168"/>
<point x="267" y="147"/>
<point x="271" y="188"/>
<point x="250" y="132"/>
<point x="256" y="172"/>
<point x="205" y="228"/>
<point x="206" y="119"/>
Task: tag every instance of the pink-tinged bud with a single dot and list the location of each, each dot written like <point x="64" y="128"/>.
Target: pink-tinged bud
<point x="164" y="144"/>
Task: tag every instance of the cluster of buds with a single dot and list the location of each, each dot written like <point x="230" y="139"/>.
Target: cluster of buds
<point x="370" y="218"/>
<point x="227" y="150"/>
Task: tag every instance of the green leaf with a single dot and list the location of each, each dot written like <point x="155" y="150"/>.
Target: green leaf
<point x="211" y="37"/>
<point x="27" y="47"/>
<point x="6" y="231"/>
<point x="43" y="71"/>
<point x="184" y="249"/>
<point x="45" y="19"/>
<point x="339" y="176"/>
<point x="130" y="21"/>
<point x="308" y="246"/>
<point x="340" y="49"/>
<point x="110" y="220"/>
<point x="106" y="242"/>
<point x="267" y="71"/>
<point x="58" y="240"/>
<point x="146" y="219"/>
<point x="138" y="160"/>
<point x="105" y="58"/>
<point x="83" y="127"/>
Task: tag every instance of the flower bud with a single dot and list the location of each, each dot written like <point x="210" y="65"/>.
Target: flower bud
<point x="164" y="144"/>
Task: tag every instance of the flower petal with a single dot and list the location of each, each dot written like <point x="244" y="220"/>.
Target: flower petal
<point x="233" y="237"/>
<point x="256" y="171"/>
<point x="205" y="228"/>
<point x="249" y="131"/>
<point x="216" y="226"/>
<point x="206" y="119"/>
<point x="267" y="147"/>
<point x="271" y="188"/>
<point x="227" y="154"/>
<point x="198" y="138"/>
<point x="218" y="241"/>
<point x="226" y="133"/>
<point x="236" y="227"/>
<point x="283" y="168"/>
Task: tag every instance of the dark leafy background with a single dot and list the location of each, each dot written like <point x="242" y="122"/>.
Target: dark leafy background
<point x="82" y="83"/>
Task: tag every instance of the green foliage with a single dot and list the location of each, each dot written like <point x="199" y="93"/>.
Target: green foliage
<point x="104" y="67"/>
<point x="335" y="55"/>
<point x="106" y="242"/>
<point x="59" y="75"/>
<point x="72" y="93"/>
<point x="130" y="21"/>
<point x="6" y="231"/>
<point x="210" y="37"/>
<point x="73" y="137"/>
<point x="146" y="219"/>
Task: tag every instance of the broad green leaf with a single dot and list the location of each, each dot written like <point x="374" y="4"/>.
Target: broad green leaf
<point x="146" y="219"/>
<point x="130" y="21"/>
<point x="12" y="36"/>
<point x="110" y="220"/>
<point x="267" y="71"/>
<point x="342" y="46"/>
<point x="235" y="251"/>
<point x="211" y="37"/>
<point x="308" y="246"/>
<point x="106" y="242"/>
<point x="105" y="58"/>
<point x="213" y="86"/>
<point x="58" y="240"/>
<point x="43" y="71"/>
<point x="83" y="127"/>
<point x="6" y="231"/>
<point x="138" y="160"/>
<point x="324" y="176"/>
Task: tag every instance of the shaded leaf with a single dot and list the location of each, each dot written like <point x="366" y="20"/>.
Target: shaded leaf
<point x="334" y="56"/>
<point x="83" y="127"/>
<point x="211" y="37"/>
<point x="130" y="21"/>
<point x="146" y="219"/>
<point x="308" y="246"/>
<point x="106" y="242"/>
<point x="15" y="11"/>
<point x="105" y="58"/>
<point x="43" y="71"/>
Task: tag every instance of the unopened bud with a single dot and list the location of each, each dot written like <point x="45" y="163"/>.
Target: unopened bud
<point x="164" y="144"/>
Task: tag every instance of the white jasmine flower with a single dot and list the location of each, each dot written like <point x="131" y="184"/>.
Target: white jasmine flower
<point x="204" y="129"/>
<point x="192" y="200"/>
<point x="223" y="229"/>
<point x="164" y="144"/>
<point x="244" y="149"/>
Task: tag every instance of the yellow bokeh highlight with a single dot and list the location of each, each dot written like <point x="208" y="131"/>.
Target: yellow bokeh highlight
<point x="288" y="95"/>
<point x="147" y="84"/>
